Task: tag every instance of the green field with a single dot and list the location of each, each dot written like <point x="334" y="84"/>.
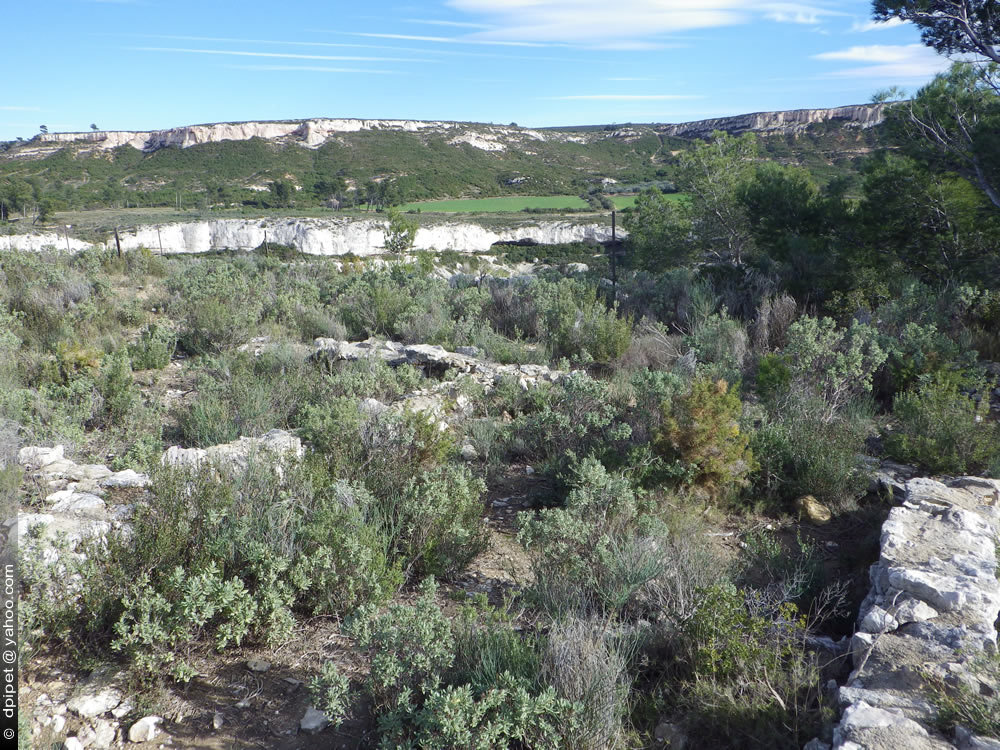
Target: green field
<point x="518" y="203"/>
<point x="496" y="205"/>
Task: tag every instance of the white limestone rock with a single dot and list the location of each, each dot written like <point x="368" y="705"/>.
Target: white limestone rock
<point x="144" y="730"/>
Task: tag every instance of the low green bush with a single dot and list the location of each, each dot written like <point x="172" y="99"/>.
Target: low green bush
<point x="744" y="675"/>
<point x="219" y="305"/>
<point x="800" y="452"/>
<point x="598" y="551"/>
<point x="944" y="430"/>
<point x="417" y="701"/>
<point x="154" y="348"/>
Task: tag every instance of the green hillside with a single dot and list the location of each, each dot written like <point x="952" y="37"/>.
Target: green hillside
<point x="383" y="167"/>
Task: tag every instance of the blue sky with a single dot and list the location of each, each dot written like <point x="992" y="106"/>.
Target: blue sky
<point x="151" y="64"/>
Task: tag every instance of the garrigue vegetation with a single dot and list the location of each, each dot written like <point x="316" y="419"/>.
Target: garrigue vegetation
<point x="763" y="337"/>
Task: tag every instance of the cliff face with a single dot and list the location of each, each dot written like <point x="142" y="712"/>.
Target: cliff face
<point x="315" y="132"/>
<point x="861" y="115"/>
<point x="309" y="133"/>
<point x="316" y="236"/>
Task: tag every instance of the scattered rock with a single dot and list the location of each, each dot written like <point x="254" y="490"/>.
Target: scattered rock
<point x="235" y="456"/>
<point x="72" y="743"/>
<point x="314" y="721"/>
<point x="127" y="479"/>
<point x="98" y="695"/>
<point x="144" y="730"/>
<point x="670" y="736"/>
<point x="101" y="734"/>
<point x="218" y="720"/>
<point x="258" y="665"/>
<point x="813" y="509"/>
<point x="469" y="453"/>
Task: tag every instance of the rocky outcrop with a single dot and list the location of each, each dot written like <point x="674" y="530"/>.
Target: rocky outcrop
<point x="310" y="133"/>
<point x="861" y="115"/>
<point x="440" y="400"/>
<point x="932" y="608"/>
<point x="330" y="237"/>
<point x="434" y="360"/>
<point x="313" y="133"/>
<point x="235" y="456"/>
<point x="87" y="501"/>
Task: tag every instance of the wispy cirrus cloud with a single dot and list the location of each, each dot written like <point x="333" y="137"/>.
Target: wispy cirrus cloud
<point x="452" y="24"/>
<point x="280" y="55"/>
<point x="312" y="69"/>
<point x="887" y="61"/>
<point x="643" y="23"/>
<point x="446" y="39"/>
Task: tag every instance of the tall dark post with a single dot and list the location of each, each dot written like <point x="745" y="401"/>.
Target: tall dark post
<point x="118" y="243"/>
<point x="614" y="260"/>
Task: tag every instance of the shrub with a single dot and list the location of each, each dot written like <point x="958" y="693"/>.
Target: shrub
<point x="578" y="416"/>
<point x="154" y="348"/>
<point x="219" y="305"/>
<point x="328" y="691"/>
<point x="117" y="389"/>
<point x="944" y="430"/>
<point x="746" y="678"/>
<point x="959" y="705"/>
<point x="580" y="327"/>
<point x="835" y="364"/>
<point x="598" y="551"/>
<point x="161" y="622"/>
<point x="586" y="666"/>
<point x="701" y="430"/>
<point x="721" y="346"/>
<point x="439" y="514"/>
<point x="799" y="451"/>
<point x="773" y="376"/>
<point x="419" y="700"/>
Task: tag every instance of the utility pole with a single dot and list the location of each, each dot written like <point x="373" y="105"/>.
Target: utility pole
<point x="160" y="240"/>
<point x="66" y="233"/>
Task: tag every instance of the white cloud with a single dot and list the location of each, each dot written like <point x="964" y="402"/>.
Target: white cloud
<point x="281" y="55"/>
<point x="596" y="22"/>
<point x="887" y="61"/>
<point x="877" y="25"/>
<point x="446" y="39"/>
<point x="13" y="108"/>
<point x="456" y="24"/>
<point x="311" y="68"/>
<point x="623" y="97"/>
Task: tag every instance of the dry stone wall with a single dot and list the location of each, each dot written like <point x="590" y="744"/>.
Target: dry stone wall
<point x="931" y="610"/>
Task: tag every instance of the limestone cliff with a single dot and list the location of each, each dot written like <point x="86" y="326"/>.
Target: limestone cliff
<point x="309" y="133"/>
<point x="315" y="132"/>
<point x="316" y="236"/>
<point x="859" y="115"/>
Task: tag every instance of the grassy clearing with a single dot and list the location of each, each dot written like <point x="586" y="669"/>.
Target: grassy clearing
<point x="627" y="201"/>
<point x="508" y="203"/>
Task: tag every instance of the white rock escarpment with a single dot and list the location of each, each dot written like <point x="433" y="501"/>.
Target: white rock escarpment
<point x="861" y="115"/>
<point x="932" y="607"/>
<point x="330" y="237"/>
